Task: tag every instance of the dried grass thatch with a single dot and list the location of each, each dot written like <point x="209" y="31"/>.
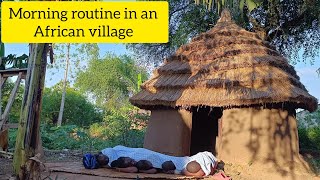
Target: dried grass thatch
<point x="225" y="67"/>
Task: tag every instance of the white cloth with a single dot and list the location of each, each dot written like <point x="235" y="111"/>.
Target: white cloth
<point x="205" y="159"/>
<point x="144" y="154"/>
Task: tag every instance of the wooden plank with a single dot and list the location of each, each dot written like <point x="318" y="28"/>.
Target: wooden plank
<point x="10" y="126"/>
<point x="13" y="72"/>
<point x="13" y="95"/>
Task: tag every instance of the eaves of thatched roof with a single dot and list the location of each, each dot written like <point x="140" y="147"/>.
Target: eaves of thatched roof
<point x="224" y="67"/>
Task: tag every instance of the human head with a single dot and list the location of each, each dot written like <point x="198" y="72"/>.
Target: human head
<point x="102" y="159"/>
<point x="193" y="167"/>
<point x="168" y="166"/>
<point x="123" y="162"/>
<point x="144" y="165"/>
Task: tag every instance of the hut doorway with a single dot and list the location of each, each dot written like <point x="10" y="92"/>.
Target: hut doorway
<point x="205" y="128"/>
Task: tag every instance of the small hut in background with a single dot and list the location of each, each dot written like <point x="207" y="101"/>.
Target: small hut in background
<point x="228" y="92"/>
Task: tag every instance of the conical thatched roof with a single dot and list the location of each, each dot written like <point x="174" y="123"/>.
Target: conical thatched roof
<point x="224" y="67"/>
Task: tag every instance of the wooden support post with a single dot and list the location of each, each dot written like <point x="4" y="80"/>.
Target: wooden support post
<point x="28" y="135"/>
<point x="4" y="79"/>
<point x="13" y="94"/>
<point x="1" y="100"/>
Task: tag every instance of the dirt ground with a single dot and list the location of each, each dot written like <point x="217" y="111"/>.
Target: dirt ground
<point x="235" y="171"/>
<point x="6" y="170"/>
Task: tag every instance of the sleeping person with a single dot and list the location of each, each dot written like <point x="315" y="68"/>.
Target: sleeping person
<point x="201" y="164"/>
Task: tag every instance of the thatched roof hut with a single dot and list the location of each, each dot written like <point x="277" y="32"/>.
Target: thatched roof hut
<point x="229" y="92"/>
<point x="224" y="67"/>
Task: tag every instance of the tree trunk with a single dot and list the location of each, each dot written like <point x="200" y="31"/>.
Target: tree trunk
<point x="28" y="136"/>
<point x="64" y="87"/>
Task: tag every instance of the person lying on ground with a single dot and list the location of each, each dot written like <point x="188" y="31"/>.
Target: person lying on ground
<point x="193" y="169"/>
<point x="129" y="165"/>
<point x="124" y="164"/>
<point x="145" y="166"/>
<point x="206" y="160"/>
<point x="168" y="167"/>
<point x="102" y="160"/>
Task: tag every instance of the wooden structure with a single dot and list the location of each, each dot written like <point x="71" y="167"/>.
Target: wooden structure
<point x="28" y="143"/>
<point x="228" y="92"/>
<point x="4" y="75"/>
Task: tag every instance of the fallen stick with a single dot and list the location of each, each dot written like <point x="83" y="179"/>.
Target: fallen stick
<point x="5" y="154"/>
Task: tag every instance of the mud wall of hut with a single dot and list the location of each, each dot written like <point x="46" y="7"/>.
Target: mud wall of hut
<point x="169" y="132"/>
<point x="267" y="136"/>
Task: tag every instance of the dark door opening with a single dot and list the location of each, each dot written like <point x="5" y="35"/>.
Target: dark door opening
<point x="204" y="129"/>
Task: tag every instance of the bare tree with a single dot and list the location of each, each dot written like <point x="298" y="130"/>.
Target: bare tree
<point x="64" y="86"/>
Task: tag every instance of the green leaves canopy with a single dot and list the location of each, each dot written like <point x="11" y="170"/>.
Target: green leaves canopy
<point x="290" y="25"/>
<point x="110" y="81"/>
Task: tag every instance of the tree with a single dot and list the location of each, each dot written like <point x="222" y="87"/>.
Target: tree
<point x="290" y="25"/>
<point x="110" y="81"/>
<point x="78" y="110"/>
<point x="28" y="136"/>
<point x="64" y="86"/>
<point x="64" y="60"/>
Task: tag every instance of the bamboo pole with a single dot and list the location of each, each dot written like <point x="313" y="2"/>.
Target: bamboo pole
<point x="28" y="137"/>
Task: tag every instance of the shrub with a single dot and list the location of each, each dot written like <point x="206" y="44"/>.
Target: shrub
<point x="12" y="138"/>
<point x="309" y="138"/>
<point x="77" y="109"/>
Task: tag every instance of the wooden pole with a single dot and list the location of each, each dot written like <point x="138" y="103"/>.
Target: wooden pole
<point x="27" y="142"/>
<point x="13" y="94"/>
<point x="3" y="80"/>
<point x="0" y="100"/>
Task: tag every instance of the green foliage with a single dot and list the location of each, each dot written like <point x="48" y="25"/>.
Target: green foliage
<point x="15" y="61"/>
<point x="313" y="118"/>
<point x="290" y="25"/>
<point x="309" y="138"/>
<point x="309" y="130"/>
<point x="78" y="110"/>
<point x="195" y="16"/>
<point x="306" y="119"/>
<point x="12" y="138"/>
<point x="119" y="130"/>
<point x="64" y="137"/>
<point x="110" y="81"/>
<point x="97" y="137"/>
